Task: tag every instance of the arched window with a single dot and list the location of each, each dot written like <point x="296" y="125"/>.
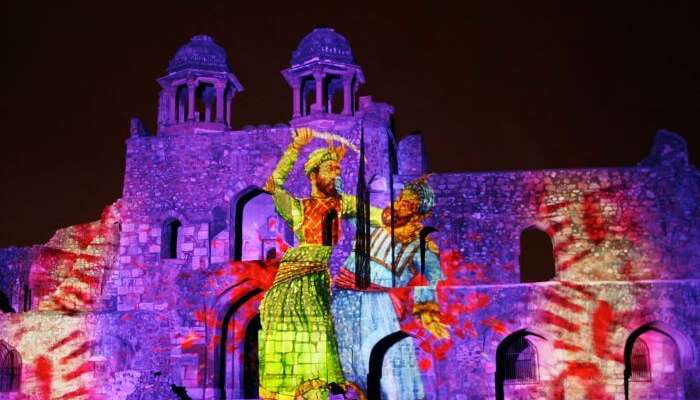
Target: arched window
<point x="639" y="362"/>
<point x="516" y="362"/>
<point x="520" y="361"/>
<point x="536" y="256"/>
<point x="10" y="368"/>
<point x="169" y="236"/>
<point x="329" y="229"/>
<point x="424" y="245"/>
<point x="655" y="356"/>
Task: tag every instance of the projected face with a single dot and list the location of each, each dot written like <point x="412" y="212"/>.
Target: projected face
<point x="407" y="204"/>
<point x="327" y="177"/>
<point x="405" y="208"/>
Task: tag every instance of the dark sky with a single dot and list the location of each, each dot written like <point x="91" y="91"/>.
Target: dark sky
<point x="492" y="85"/>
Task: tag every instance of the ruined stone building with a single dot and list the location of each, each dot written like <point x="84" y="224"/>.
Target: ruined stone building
<point x="160" y="296"/>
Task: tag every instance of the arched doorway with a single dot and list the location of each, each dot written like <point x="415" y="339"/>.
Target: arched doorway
<point x="226" y="373"/>
<point x="654" y="364"/>
<point x="251" y="361"/>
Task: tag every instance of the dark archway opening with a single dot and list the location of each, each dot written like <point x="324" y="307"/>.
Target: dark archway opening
<point x="221" y="376"/>
<point x="330" y="231"/>
<point x="376" y="361"/>
<point x="516" y="362"/>
<point x="536" y="256"/>
<point x="251" y="361"/>
<point x="5" y="304"/>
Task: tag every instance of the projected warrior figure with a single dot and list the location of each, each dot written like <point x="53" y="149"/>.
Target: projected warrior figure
<point x="365" y="316"/>
<point x="298" y="350"/>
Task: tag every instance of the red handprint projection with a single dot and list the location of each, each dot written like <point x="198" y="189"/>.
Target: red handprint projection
<point x="582" y="317"/>
<point x="67" y="273"/>
<point x="462" y="315"/>
<point x="66" y="277"/>
<point x="63" y="369"/>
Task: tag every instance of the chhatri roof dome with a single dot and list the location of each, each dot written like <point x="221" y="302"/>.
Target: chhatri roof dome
<point x="325" y="44"/>
<point x="200" y="53"/>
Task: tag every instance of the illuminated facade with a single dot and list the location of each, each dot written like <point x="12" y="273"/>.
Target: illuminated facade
<point x="159" y="299"/>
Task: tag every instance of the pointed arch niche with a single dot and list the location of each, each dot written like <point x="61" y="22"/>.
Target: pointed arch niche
<point x="656" y="357"/>
<point x="525" y="360"/>
<point x="236" y="364"/>
<point x="256" y="226"/>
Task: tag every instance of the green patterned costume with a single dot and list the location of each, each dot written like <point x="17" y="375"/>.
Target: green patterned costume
<point x="297" y="340"/>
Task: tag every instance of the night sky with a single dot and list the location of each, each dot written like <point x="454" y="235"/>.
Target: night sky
<point x="492" y="85"/>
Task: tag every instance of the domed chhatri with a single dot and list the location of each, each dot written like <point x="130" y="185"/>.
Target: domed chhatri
<point x="322" y="67"/>
<point x="197" y="90"/>
<point x="201" y="52"/>
<point x="323" y="43"/>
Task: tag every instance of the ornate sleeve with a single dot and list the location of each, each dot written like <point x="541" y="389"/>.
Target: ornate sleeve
<point x="287" y="206"/>
<point x="281" y="172"/>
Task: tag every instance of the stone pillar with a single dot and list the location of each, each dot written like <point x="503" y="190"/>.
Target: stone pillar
<point x="347" y="95"/>
<point x="318" y="77"/>
<point x="181" y="110"/>
<point x="220" y="102"/>
<point x="229" y="99"/>
<point x="172" y="113"/>
<point x="296" y="99"/>
<point x="191" y="86"/>
<point x="355" y="89"/>
<point x="303" y="104"/>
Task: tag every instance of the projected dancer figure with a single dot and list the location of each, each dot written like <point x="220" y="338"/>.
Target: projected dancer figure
<point x="298" y="350"/>
<point x="365" y="316"/>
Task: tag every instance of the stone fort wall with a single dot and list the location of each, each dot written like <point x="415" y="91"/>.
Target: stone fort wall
<point x="104" y="310"/>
